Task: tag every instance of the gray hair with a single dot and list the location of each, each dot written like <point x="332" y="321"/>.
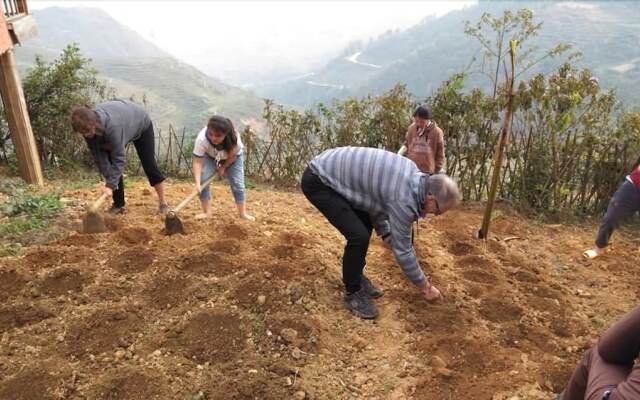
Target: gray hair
<point x="444" y="190"/>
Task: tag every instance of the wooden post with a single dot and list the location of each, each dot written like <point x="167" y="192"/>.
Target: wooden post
<point x="18" y="119"/>
<point x="502" y="142"/>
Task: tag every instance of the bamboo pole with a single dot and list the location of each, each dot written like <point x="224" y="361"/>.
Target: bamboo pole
<point x="504" y="136"/>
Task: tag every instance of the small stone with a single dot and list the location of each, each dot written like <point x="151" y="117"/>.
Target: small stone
<point x="289" y="335"/>
<point x="289" y="381"/>
<point x="262" y="299"/>
<point x="296" y="353"/>
<point x="360" y="379"/>
<point x="120" y="354"/>
<point x="267" y="275"/>
<point x="300" y="395"/>
<point x="146" y="192"/>
<point x="513" y="372"/>
<point x="200" y="367"/>
<point x="437" y="362"/>
<point x="253" y="371"/>
<point x="30" y="349"/>
<point x="157" y="353"/>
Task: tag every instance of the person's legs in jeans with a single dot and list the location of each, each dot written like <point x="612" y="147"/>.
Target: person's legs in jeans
<point x="145" y="145"/>
<point x="624" y="203"/>
<point x="235" y="176"/>
<point x="209" y="167"/>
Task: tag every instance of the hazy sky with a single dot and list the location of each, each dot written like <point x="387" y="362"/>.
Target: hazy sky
<point x="242" y="41"/>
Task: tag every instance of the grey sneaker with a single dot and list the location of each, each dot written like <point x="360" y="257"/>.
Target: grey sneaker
<point x="374" y="291"/>
<point x="361" y="304"/>
<point x="117" y="210"/>
<point x="164" y="209"/>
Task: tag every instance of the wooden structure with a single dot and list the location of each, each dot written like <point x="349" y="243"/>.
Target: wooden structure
<point x="16" y="26"/>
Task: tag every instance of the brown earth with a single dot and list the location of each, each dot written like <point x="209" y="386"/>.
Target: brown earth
<point x="245" y="310"/>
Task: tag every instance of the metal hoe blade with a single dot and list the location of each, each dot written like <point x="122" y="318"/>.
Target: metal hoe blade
<point x="93" y="222"/>
<point x="172" y="224"/>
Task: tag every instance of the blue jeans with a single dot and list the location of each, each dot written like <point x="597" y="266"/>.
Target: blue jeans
<point x="624" y="203"/>
<point x="234" y="174"/>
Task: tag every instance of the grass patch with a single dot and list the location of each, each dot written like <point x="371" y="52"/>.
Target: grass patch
<point x="32" y="206"/>
<point x="26" y="212"/>
<point x="18" y="226"/>
<point x="10" y="249"/>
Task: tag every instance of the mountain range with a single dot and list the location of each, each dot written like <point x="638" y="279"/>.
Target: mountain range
<point x="175" y="92"/>
<point x="423" y="56"/>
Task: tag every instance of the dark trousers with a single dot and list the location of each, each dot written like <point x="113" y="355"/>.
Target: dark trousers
<point x="624" y="203"/>
<point x="354" y="225"/>
<point x="145" y="147"/>
<point x="609" y="366"/>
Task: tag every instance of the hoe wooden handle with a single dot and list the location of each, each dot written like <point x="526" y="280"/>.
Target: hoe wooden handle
<point x="193" y="194"/>
<point x="94" y="207"/>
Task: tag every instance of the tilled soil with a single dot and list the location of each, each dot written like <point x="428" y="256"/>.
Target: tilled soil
<point x="253" y="310"/>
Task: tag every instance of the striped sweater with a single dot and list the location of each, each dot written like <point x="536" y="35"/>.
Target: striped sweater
<point x="387" y="186"/>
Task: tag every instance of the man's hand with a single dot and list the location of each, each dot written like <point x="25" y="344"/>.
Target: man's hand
<point x="198" y="187"/>
<point x="221" y="171"/>
<point x="431" y="293"/>
<point x="108" y="191"/>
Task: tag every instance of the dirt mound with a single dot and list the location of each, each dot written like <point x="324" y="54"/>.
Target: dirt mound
<point x="464" y="355"/>
<point x="209" y="336"/>
<point x="476" y="262"/>
<point x="32" y="383"/>
<point x="128" y="383"/>
<point x="462" y="248"/>
<point x="249" y="386"/>
<point x="209" y="264"/>
<point x="18" y="315"/>
<point x="431" y="318"/>
<point x="134" y="236"/>
<point x="300" y="332"/>
<point x="44" y="258"/>
<point x="78" y="240"/>
<point x="168" y="291"/>
<point x="227" y="246"/>
<point x="11" y="283"/>
<point x="499" y="310"/>
<point x="259" y="295"/>
<point x="291" y="245"/>
<point x="234" y="232"/>
<point x="63" y="281"/>
<point x="132" y="261"/>
<point x="479" y="276"/>
<point x="104" y="330"/>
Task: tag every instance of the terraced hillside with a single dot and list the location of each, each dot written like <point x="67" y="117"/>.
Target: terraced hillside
<point x="176" y="93"/>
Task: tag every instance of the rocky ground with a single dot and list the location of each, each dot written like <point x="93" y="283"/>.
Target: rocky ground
<point x="253" y="310"/>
